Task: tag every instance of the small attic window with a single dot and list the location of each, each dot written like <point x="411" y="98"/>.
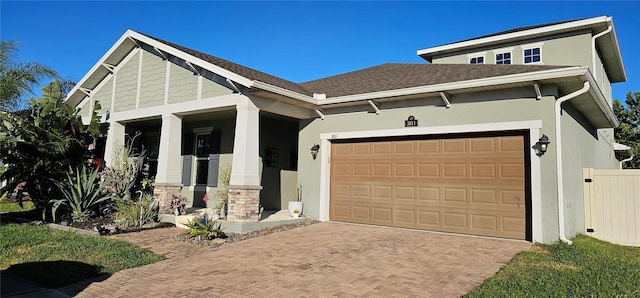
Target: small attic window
<point x="503" y="58"/>
<point x="532" y="55"/>
<point x="476" y="60"/>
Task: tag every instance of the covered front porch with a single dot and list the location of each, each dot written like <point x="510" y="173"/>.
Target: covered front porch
<point x="189" y="151"/>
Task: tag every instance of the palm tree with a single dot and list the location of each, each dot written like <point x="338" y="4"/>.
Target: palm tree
<point x="17" y="78"/>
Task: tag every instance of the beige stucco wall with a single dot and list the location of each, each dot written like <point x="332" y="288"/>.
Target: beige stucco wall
<point x="567" y="49"/>
<point x="487" y="107"/>
<point x="582" y="147"/>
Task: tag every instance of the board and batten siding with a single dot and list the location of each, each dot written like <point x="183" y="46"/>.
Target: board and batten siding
<point x="141" y="82"/>
<point x="612" y="205"/>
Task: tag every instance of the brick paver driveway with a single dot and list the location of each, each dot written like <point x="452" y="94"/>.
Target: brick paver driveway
<point x="321" y="260"/>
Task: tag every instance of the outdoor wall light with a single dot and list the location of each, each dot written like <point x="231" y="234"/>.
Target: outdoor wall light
<point x="542" y="145"/>
<point x="314" y="150"/>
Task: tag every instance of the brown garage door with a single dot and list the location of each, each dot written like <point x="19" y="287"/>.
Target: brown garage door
<point x="473" y="185"/>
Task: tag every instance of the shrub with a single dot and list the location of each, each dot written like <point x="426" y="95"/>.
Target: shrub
<point x="204" y="228"/>
<point x="222" y="194"/>
<point x="124" y="170"/>
<point x="81" y="193"/>
<point x="40" y="143"/>
<point x="136" y="213"/>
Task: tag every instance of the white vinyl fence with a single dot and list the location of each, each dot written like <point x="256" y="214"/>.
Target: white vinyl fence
<point x="612" y="205"/>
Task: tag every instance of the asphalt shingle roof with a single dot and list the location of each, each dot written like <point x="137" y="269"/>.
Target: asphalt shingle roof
<point x="393" y="76"/>
<point x="389" y="76"/>
<point x="241" y="70"/>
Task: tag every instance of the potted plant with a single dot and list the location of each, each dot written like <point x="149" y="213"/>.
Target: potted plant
<point x="297" y="204"/>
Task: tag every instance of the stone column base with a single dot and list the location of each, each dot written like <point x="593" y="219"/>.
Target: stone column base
<point x="243" y="203"/>
<point x="164" y="194"/>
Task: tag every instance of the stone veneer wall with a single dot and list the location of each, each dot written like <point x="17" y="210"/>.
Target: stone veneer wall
<point x="164" y="192"/>
<point x="243" y="203"/>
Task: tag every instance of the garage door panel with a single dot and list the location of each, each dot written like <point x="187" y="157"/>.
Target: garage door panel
<point x="405" y="193"/>
<point x="484" y="222"/>
<point x="484" y="145"/>
<point x="429" y="147"/>
<point x="454" y="220"/>
<point x="511" y="171"/>
<point x="512" y="224"/>
<point x="341" y="189"/>
<point x="464" y="185"/>
<point x="363" y="191"/>
<point x="513" y="198"/>
<point x="484" y="196"/>
<point x="454" y="146"/>
<point x="428" y="170"/>
<point x="341" y="211"/>
<point x="361" y="149"/>
<point x="361" y="212"/>
<point x="383" y="215"/>
<point x="485" y="171"/>
<point x="511" y="144"/>
<point x="361" y="169"/>
<point x="429" y="194"/>
<point x="429" y="219"/>
<point x="343" y="170"/>
<point x="454" y="195"/>
<point x="383" y="148"/>
<point x="382" y="169"/>
<point x="454" y="170"/>
<point x="404" y="148"/>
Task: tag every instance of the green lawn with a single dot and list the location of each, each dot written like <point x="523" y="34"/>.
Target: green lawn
<point x="14" y="207"/>
<point x="588" y="268"/>
<point x="53" y="258"/>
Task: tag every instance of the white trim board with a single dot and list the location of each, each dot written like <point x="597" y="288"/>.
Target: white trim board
<point x="532" y="126"/>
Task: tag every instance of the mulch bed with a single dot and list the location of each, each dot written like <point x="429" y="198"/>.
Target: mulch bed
<point x="235" y="237"/>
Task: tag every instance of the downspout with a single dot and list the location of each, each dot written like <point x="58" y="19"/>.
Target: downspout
<point x="625" y="160"/>
<point x="558" y="110"/>
<point x="593" y="46"/>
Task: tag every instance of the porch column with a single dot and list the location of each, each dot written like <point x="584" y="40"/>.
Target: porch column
<point x="168" y="176"/>
<point x="115" y="138"/>
<point x="244" y="186"/>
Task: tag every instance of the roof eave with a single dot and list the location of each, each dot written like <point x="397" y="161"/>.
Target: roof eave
<point x="284" y="92"/>
<point x="602" y="103"/>
<point x="428" y="53"/>
<point x="500" y="80"/>
<point x="529" y="77"/>
<point x="616" y="67"/>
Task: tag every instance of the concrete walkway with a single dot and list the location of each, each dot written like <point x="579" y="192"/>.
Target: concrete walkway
<point x="320" y="260"/>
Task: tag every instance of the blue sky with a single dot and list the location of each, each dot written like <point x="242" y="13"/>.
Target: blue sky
<point x="298" y="41"/>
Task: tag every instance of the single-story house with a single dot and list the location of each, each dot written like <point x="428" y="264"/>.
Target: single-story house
<point x="488" y="137"/>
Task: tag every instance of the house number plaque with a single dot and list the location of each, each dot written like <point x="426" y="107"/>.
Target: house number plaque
<point x="410" y="122"/>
